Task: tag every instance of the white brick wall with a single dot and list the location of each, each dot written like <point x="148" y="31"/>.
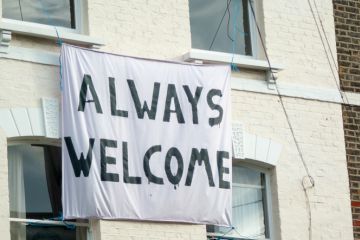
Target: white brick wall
<point x="113" y="230"/>
<point x="318" y="128"/>
<point x="146" y="28"/>
<point x="292" y="39"/>
<point x="160" y="29"/>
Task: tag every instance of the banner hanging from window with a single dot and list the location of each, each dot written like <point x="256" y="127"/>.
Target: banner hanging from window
<point x="145" y="139"/>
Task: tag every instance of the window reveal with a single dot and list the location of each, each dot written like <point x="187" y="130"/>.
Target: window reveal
<point x="35" y="193"/>
<point x="49" y="12"/>
<point x="221" y="26"/>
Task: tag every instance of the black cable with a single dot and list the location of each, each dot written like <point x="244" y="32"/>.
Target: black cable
<point x="218" y="28"/>
<point x="326" y="38"/>
<point x="326" y="53"/>
<point x="261" y="39"/>
<point x="228" y="23"/>
<point x="280" y="96"/>
<point x="21" y="14"/>
<point x="291" y="129"/>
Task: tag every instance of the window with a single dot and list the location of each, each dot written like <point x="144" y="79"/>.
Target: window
<point x="221" y="25"/>
<point x="60" y="13"/>
<point x="35" y="195"/>
<point x="250" y="206"/>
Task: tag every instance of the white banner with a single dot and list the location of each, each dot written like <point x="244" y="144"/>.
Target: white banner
<point x="145" y="139"/>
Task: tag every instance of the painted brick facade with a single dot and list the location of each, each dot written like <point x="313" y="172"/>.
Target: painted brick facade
<point x="161" y="29"/>
<point x="347" y="28"/>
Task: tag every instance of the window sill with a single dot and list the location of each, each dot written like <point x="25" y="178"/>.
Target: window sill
<point x="48" y="222"/>
<point x="218" y="236"/>
<point x="47" y="32"/>
<point x="220" y="57"/>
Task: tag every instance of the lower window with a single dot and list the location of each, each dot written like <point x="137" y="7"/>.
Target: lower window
<point x="250" y="218"/>
<point x="35" y="195"/>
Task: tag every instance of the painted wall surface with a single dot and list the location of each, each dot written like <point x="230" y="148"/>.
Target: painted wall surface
<point x="161" y="29"/>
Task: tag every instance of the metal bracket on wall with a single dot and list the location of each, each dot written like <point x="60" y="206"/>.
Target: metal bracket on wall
<point x="271" y="77"/>
<point x="5" y="38"/>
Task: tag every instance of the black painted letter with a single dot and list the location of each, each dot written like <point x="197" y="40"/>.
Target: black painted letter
<point x="171" y="94"/>
<point x="213" y="106"/>
<point x="80" y="164"/>
<point x="199" y="157"/>
<point x="151" y="177"/>
<point x="87" y="82"/>
<point x="114" y="111"/>
<point x="142" y="109"/>
<point x="104" y="160"/>
<point x="193" y="100"/>
<point x="220" y="156"/>
<point x="174" y="152"/>
<point x="127" y="178"/>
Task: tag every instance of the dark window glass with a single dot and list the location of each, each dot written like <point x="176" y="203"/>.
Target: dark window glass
<point x="49" y="12"/>
<point x="248" y="206"/>
<point x="35" y="193"/>
<point x="220" y="25"/>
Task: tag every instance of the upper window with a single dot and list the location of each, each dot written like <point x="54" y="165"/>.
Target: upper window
<point x="35" y="195"/>
<point x="49" y="12"/>
<point x="221" y="25"/>
<point x="250" y="206"/>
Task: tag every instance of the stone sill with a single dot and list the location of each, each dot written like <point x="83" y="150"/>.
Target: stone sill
<point x="204" y="56"/>
<point x="49" y="32"/>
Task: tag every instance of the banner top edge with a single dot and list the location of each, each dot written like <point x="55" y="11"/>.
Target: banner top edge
<point x="147" y="59"/>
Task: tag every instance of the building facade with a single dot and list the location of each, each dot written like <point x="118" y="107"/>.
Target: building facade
<point x="347" y="22"/>
<point x="290" y="174"/>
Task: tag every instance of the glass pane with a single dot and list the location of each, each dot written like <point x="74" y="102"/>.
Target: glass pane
<point x="220" y="25"/>
<point x="27" y="180"/>
<point x="248" y="205"/>
<point x="49" y="12"/>
<point x="34" y="189"/>
<point x="22" y="231"/>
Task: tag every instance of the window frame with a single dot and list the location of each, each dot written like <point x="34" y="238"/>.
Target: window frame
<point x="253" y="37"/>
<point x="46" y="222"/>
<point x="79" y="21"/>
<point x="268" y="211"/>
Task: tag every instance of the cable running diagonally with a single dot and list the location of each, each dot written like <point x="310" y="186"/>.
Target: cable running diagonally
<point x="312" y="182"/>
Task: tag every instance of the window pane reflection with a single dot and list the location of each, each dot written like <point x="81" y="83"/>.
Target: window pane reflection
<point x="233" y="35"/>
<point x="49" y="12"/>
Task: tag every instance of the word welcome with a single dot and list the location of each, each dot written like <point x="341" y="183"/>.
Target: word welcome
<point x="198" y="157"/>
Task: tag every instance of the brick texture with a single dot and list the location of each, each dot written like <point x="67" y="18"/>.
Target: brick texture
<point x="347" y="28"/>
<point x="351" y="118"/>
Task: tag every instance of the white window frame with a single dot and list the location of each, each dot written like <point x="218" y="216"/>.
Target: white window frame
<point x="253" y="40"/>
<point x="268" y="216"/>
<point x="79" y="35"/>
<point x="79" y="15"/>
<point x="26" y="221"/>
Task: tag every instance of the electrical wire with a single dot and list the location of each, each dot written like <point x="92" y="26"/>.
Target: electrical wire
<point x="326" y="38"/>
<point x="261" y="38"/>
<point x="59" y="41"/>
<point x="228" y="24"/>
<point x="218" y="28"/>
<point x="303" y="183"/>
<point x="21" y="13"/>
<point x="345" y="99"/>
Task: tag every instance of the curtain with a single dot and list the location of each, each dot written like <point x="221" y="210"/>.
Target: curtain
<point x="248" y="214"/>
<point x="52" y="156"/>
<point x="247" y="204"/>
<point x="53" y="169"/>
<point x="16" y="191"/>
